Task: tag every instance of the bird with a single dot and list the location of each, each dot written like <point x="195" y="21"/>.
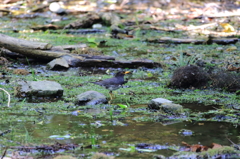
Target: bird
<point x="113" y="83"/>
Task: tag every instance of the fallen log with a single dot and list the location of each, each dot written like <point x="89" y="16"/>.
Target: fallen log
<point x="48" y="53"/>
<point x="15" y="43"/>
<point x="220" y="41"/>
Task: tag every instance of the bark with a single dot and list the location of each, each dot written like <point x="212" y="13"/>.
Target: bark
<point x="46" y="51"/>
<point x="222" y="41"/>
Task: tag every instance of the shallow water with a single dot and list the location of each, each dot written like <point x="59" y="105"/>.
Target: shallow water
<point x="110" y="138"/>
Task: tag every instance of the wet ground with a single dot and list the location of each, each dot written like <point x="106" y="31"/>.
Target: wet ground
<point x="117" y="136"/>
<point x="157" y="138"/>
<point x="211" y="114"/>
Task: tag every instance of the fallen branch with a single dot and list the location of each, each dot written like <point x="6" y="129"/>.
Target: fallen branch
<point x="9" y="97"/>
<point x="184" y="28"/>
<point x="48" y="52"/>
<point x="193" y="41"/>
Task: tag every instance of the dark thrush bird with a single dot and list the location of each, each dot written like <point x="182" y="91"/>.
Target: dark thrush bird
<point x="113" y="83"/>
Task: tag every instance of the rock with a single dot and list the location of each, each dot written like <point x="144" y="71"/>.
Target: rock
<point x="39" y="89"/>
<point x="156" y="103"/>
<point x="165" y="106"/>
<point x="91" y="98"/>
<point x="170" y="108"/>
<point x="58" y="63"/>
<point x="186" y="132"/>
<point x="56" y="7"/>
<point x="97" y="26"/>
<point x="111" y="18"/>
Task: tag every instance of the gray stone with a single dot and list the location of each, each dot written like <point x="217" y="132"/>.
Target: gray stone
<point x="39" y="89"/>
<point x="58" y="63"/>
<point x="56" y="7"/>
<point x="157" y="102"/>
<point x="170" y="108"/>
<point x="91" y="98"/>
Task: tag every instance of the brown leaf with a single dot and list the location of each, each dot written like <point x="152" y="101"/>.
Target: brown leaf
<point x="204" y="148"/>
<point x="194" y="148"/>
<point x="215" y="146"/>
<point x="232" y="68"/>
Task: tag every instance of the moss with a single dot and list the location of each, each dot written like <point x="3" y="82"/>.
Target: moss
<point x="225" y="150"/>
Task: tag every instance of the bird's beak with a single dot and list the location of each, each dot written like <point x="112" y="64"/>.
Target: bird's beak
<point x="126" y="72"/>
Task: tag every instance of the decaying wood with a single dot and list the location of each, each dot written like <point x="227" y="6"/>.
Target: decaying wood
<point x="47" y="52"/>
<point x="184" y="28"/>
<point x="217" y="34"/>
<point x="5" y="10"/>
<point x="118" y="64"/>
<point x="193" y="41"/>
<point x="15" y="43"/>
<point x="42" y="50"/>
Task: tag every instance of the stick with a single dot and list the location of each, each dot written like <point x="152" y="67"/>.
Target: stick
<point x="9" y="97"/>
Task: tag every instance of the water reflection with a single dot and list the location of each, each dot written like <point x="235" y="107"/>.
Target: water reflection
<point x="204" y="133"/>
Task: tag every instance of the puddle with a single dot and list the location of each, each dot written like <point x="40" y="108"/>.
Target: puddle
<point x="111" y="138"/>
<point x="196" y="107"/>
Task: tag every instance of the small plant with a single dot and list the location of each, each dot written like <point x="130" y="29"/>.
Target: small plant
<point x="93" y="140"/>
<point x="33" y="71"/>
<point x="92" y="137"/>
<point x="123" y="106"/>
<point x="92" y="42"/>
<point x="28" y="138"/>
<point x="184" y="60"/>
<point x="132" y="148"/>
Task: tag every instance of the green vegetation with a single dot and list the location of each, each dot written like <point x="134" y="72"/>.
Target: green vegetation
<point x="27" y="118"/>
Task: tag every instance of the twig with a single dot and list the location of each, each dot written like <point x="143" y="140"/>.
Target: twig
<point x="4" y="153"/>
<point x="232" y="142"/>
<point x="9" y="96"/>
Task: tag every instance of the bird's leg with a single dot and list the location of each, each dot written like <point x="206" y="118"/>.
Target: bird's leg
<point x="113" y="96"/>
<point x="110" y="93"/>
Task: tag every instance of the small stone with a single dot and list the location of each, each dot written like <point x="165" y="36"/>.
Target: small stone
<point x="97" y="26"/>
<point x="58" y="63"/>
<point x="56" y="7"/>
<point x="157" y="102"/>
<point x="39" y="89"/>
<point x="170" y="108"/>
<point x="91" y="98"/>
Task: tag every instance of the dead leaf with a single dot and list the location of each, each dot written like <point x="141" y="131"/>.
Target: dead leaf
<point x="195" y="148"/>
<point x="227" y="27"/>
<point x="231" y="48"/>
<point x="215" y="146"/>
<point x="20" y="72"/>
<point x="232" y="68"/>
